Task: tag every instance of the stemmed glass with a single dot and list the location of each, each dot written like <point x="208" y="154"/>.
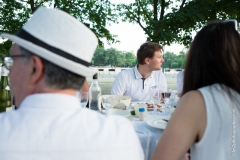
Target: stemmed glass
<point x="155" y="97"/>
<point x="167" y="102"/>
<point x="107" y="102"/>
<point x="83" y="97"/>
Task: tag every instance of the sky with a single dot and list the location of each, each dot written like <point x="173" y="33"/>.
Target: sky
<point x="131" y="36"/>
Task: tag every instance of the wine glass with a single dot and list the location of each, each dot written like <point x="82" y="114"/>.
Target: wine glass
<point x="107" y="102"/>
<point x="83" y="98"/>
<point x="155" y="97"/>
<point x="172" y="99"/>
<point x="167" y="102"/>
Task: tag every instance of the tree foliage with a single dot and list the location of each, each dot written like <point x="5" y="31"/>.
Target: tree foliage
<point x="173" y="21"/>
<point x="113" y="57"/>
<point x="172" y="60"/>
<point x="95" y="14"/>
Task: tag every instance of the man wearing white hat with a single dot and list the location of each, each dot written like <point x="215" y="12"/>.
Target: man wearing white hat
<point x="48" y="63"/>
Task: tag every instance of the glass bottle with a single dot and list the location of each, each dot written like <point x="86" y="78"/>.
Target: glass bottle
<point x="5" y="94"/>
<point x="94" y="93"/>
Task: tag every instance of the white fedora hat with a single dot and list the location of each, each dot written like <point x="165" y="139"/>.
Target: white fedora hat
<point x="59" y="38"/>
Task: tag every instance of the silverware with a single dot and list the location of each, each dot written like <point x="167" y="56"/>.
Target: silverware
<point x="165" y="120"/>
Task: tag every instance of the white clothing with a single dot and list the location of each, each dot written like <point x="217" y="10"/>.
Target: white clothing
<point x="216" y="142"/>
<point x="56" y="127"/>
<point x="129" y="82"/>
<point x="180" y="76"/>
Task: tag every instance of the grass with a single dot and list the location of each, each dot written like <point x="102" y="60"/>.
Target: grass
<point x="106" y="84"/>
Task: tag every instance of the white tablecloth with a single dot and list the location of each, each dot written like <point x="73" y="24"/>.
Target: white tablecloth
<point x="149" y="136"/>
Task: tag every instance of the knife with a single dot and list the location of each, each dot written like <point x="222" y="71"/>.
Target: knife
<point x="165" y="120"/>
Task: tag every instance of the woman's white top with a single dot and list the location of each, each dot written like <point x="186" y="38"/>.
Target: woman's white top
<point x="221" y="139"/>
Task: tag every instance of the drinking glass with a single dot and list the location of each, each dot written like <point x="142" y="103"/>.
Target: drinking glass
<point x="172" y="99"/>
<point x="155" y="97"/>
<point x="107" y="102"/>
<point x="176" y="100"/>
<point x="167" y="96"/>
<point x="167" y="102"/>
<point x="83" y="98"/>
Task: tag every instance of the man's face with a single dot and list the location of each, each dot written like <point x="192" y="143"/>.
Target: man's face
<point x="156" y="62"/>
<point x="18" y="76"/>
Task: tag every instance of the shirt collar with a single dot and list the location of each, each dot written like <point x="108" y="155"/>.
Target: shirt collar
<point x="50" y="100"/>
<point x="136" y="73"/>
<point x="139" y="76"/>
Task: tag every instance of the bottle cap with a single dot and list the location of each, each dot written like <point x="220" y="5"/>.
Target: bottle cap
<point x="141" y="109"/>
<point x="95" y="76"/>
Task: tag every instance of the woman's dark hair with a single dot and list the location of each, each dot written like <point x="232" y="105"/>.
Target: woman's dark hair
<point x="214" y="57"/>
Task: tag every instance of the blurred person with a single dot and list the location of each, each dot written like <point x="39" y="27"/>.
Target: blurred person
<point x="47" y="66"/>
<point x="136" y="82"/>
<point x="208" y="115"/>
<point x="180" y="83"/>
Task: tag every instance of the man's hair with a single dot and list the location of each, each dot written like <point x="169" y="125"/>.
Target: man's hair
<point x="57" y="77"/>
<point x="147" y="50"/>
<point x="213" y="57"/>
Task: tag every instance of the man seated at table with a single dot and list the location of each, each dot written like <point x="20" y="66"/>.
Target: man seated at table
<point x="136" y="82"/>
<point x="48" y="63"/>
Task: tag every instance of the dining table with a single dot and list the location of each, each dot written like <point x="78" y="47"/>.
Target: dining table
<point x="149" y="131"/>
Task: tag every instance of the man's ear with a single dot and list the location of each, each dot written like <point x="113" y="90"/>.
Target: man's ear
<point x="36" y="71"/>
<point x="147" y="60"/>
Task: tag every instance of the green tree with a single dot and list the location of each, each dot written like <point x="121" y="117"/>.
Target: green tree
<point x="113" y="57"/>
<point x="181" y="58"/>
<point x="120" y="60"/>
<point x="169" y="21"/>
<point x="174" y="64"/>
<point x="169" y="57"/>
<point x="95" y="14"/>
<point x="99" y="57"/>
<point x="130" y="59"/>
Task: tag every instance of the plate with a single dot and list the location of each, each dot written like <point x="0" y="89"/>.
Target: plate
<point x="157" y="123"/>
<point x="134" y="103"/>
<point x="124" y="113"/>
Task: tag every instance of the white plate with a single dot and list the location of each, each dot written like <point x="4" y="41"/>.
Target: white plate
<point x="134" y="103"/>
<point x="149" y="109"/>
<point x="157" y="123"/>
<point x="124" y="113"/>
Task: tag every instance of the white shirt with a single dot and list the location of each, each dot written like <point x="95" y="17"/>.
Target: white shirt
<point x="180" y="76"/>
<point x="129" y="82"/>
<point x="221" y="137"/>
<point x="55" y="127"/>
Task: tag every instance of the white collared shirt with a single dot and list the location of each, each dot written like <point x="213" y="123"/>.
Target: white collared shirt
<point x="55" y="127"/>
<point x="129" y="82"/>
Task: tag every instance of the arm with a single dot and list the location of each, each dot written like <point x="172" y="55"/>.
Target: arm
<point x="119" y="85"/>
<point x="185" y="127"/>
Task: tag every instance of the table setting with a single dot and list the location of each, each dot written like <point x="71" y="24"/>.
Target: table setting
<point x="149" y="119"/>
<point x="150" y="129"/>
